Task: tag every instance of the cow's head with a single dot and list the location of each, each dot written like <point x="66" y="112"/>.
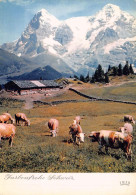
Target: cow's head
<point x="94" y="135"/>
<point x="27" y="122"/>
<point x="53" y="133"/>
<point x="74" y="122"/>
<point x="133" y="122"/>
<point x="13" y="121"/>
<point x="81" y="137"/>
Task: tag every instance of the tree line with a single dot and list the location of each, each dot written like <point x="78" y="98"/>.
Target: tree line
<point x="100" y="76"/>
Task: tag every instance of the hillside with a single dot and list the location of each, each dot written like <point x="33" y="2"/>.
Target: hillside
<point x="10" y="63"/>
<point x="45" y="73"/>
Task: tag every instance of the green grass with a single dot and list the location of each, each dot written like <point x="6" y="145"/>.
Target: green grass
<point x="51" y="157"/>
<point x="68" y="95"/>
<point x="35" y="151"/>
<point x="125" y="92"/>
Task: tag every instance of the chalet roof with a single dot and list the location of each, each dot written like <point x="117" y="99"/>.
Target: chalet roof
<point x="35" y="83"/>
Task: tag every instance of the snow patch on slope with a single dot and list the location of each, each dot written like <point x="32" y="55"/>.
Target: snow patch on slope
<point x="79" y="27"/>
<point x="117" y="44"/>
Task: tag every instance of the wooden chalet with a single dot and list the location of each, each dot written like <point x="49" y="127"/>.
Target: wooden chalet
<point x="30" y="86"/>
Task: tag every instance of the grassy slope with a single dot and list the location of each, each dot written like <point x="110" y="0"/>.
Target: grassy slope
<point x="126" y="92"/>
<point x="68" y="95"/>
<point x="35" y="151"/>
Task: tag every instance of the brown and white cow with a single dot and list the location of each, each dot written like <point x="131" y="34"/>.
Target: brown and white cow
<point x="129" y="118"/>
<point x="53" y="125"/>
<point x="113" y="139"/>
<point x="76" y="133"/>
<point x="21" y="117"/>
<point x="7" y="131"/>
<point x="5" y="117"/>
<point x="127" y="128"/>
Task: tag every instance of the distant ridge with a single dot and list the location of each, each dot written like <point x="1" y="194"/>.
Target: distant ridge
<point x="10" y="63"/>
<point x="44" y="73"/>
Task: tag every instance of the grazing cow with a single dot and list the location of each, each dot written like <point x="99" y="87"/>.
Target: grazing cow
<point x="113" y="139"/>
<point x="80" y="138"/>
<point x="7" y="131"/>
<point x="129" y="118"/>
<point x="127" y="128"/>
<point x="53" y="125"/>
<point x="21" y="117"/>
<point x="76" y="132"/>
<point x="5" y="117"/>
<point x="10" y="117"/>
<point x="78" y="118"/>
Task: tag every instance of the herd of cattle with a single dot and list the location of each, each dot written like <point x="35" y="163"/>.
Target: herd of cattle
<point x="114" y="139"/>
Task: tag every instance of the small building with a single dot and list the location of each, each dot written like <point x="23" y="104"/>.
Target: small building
<point x="31" y="86"/>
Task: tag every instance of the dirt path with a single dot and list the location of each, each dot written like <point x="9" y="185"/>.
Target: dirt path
<point x="30" y="98"/>
<point x="28" y="103"/>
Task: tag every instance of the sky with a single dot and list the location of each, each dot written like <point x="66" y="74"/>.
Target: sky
<point x="16" y="14"/>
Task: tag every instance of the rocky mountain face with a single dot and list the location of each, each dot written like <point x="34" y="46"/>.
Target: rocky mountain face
<point x="79" y="44"/>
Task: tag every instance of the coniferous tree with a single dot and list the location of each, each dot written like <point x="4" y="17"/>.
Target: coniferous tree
<point x="120" y="70"/>
<point x="96" y="75"/>
<point x="76" y="77"/>
<point x="115" y="71"/>
<point x="109" y="68"/>
<point x="131" y="71"/>
<point x="92" y="80"/>
<point x="126" y="69"/>
<point x="82" y="78"/>
<point x="99" y="74"/>
<point x="87" y="79"/>
<point x="106" y="78"/>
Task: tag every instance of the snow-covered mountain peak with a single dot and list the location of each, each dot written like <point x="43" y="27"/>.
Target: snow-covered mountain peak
<point x="45" y="17"/>
<point x="109" y="13"/>
<point x="111" y="7"/>
<point x="43" y="11"/>
<point x="108" y="37"/>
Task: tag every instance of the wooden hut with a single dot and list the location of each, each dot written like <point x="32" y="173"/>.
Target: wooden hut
<point x="30" y="86"/>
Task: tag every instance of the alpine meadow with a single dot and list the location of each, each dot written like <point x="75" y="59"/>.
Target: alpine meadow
<point x="68" y="86"/>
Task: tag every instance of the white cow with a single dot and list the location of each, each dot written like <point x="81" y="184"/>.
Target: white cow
<point x="127" y="128"/>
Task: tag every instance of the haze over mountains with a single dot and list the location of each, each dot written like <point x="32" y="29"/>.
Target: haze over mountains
<point x="78" y="44"/>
